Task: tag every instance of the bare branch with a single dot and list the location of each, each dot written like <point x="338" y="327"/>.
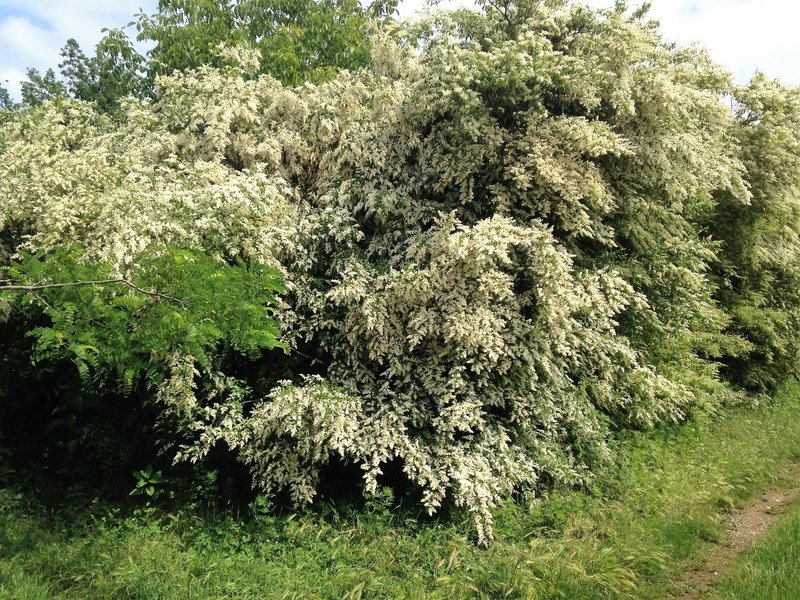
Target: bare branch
<point x="119" y="281"/>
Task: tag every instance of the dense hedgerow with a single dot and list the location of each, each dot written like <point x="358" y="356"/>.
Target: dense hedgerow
<point x="515" y="232"/>
<point x="759" y="261"/>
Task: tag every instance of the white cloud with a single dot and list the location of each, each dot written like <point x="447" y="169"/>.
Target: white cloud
<point x="11" y="79"/>
<point x="20" y="37"/>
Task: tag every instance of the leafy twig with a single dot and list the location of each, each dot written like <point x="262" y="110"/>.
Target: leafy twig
<point x="119" y="281"/>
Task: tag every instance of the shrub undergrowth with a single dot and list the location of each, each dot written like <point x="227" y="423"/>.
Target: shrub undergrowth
<point x="647" y="519"/>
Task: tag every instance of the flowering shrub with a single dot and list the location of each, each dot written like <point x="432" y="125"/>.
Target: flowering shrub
<point x="759" y="268"/>
<point x="498" y="243"/>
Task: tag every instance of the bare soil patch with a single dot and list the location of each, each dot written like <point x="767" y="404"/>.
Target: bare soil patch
<point x="747" y="526"/>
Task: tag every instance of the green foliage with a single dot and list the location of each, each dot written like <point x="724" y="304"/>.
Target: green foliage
<point x="297" y="40"/>
<point x="6" y="102"/>
<point x="149" y="482"/>
<point x="184" y="304"/>
<point x="77" y="71"/>
<point x="115" y="71"/>
<point x="40" y="88"/>
<point x="759" y="262"/>
<point x="121" y="363"/>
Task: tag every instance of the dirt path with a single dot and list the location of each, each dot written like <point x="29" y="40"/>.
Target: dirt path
<point x="747" y="526"/>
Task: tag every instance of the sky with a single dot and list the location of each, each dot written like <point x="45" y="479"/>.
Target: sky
<point x="743" y="35"/>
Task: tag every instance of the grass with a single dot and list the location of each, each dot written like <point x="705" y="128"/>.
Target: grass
<point x="770" y="569"/>
<point x="629" y="537"/>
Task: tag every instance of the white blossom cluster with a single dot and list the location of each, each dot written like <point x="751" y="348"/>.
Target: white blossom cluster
<point x="492" y="244"/>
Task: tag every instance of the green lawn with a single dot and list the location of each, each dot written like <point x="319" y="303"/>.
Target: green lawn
<point x="644" y="522"/>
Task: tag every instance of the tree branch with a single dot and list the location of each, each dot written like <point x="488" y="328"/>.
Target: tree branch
<point x="118" y="281"/>
<point x="503" y="9"/>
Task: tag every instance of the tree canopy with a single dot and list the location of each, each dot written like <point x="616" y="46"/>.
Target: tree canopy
<point x="295" y="40"/>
